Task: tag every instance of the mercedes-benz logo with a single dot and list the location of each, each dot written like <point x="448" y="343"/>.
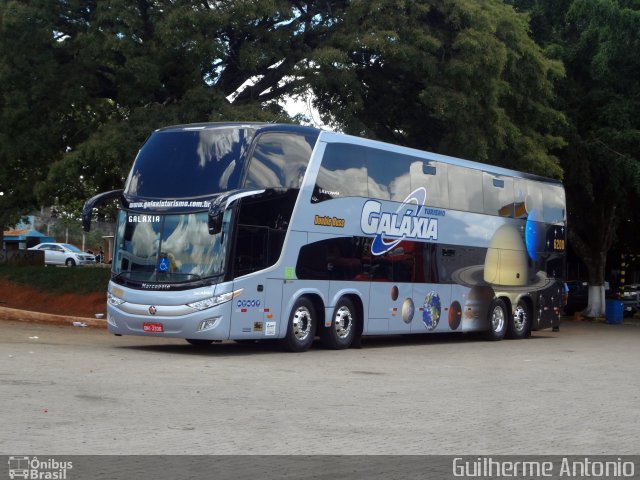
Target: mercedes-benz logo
<point x="152" y="310"/>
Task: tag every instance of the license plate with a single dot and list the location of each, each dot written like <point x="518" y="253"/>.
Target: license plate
<point x="153" y="327"/>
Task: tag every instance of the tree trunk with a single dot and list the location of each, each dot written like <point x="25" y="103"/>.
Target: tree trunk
<point x="595" y="258"/>
<point x="596" y="304"/>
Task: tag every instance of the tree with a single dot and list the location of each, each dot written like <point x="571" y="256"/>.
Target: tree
<point x="598" y="42"/>
<point x="455" y="77"/>
<point x="83" y="83"/>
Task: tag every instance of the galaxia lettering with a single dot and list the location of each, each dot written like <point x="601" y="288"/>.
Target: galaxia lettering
<point x="144" y="218"/>
<point x="405" y="223"/>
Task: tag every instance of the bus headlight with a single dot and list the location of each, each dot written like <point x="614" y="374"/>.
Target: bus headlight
<point x="214" y="301"/>
<point x="113" y="300"/>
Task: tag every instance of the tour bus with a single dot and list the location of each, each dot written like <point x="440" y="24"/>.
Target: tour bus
<point x="257" y="231"/>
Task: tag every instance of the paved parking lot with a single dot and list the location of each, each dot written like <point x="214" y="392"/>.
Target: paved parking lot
<point x="66" y="390"/>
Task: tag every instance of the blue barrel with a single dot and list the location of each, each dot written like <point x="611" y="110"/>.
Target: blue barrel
<point x="614" y="310"/>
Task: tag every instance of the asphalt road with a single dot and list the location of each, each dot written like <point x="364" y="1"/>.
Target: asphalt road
<point x="66" y="390"/>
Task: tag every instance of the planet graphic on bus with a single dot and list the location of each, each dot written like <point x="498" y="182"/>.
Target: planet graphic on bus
<point x="432" y="310"/>
<point x="507" y="265"/>
<point x="477" y="303"/>
<point x="408" y="310"/>
<point x="394" y="293"/>
<point x="455" y="315"/>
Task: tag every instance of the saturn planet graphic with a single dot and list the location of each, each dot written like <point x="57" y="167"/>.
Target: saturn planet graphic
<point x="506" y="265"/>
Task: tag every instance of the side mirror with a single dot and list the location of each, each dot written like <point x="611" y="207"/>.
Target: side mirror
<point x="93" y="202"/>
<point x="221" y="203"/>
<point x="216" y="212"/>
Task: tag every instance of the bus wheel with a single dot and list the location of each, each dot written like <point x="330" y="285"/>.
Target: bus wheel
<point x="498" y="320"/>
<point x="199" y="342"/>
<point x="343" y="326"/>
<point x="301" y="328"/>
<point x="520" y="322"/>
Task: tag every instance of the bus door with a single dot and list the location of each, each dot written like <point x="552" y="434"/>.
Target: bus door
<point x="247" y="313"/>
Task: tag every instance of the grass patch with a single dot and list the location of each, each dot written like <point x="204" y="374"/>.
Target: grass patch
<point x="58" y="279"/>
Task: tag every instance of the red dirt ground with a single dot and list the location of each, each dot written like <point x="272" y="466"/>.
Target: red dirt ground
<point x="23" y="297"/>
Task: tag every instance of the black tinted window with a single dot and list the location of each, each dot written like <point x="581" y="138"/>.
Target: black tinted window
<point x="279" y="160"/>
<point x="189" y="163"/>
<point x="343" y="173"/>
<point x="388" y="175"/>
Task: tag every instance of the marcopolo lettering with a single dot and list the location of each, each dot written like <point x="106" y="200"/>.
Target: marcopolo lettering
<point x="407" y="222"/>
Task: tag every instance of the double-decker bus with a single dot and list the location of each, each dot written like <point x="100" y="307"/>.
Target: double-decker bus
<point x="251" y="231"/>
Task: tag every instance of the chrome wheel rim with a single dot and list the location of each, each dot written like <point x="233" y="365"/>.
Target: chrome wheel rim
<point x="302" y="323"/>
<point x="519" y="318"/>
<point x="343" y="322"/>
<point x="497" y="319"/>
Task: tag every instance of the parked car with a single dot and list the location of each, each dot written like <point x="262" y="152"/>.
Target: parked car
<point x="630" y="296"/>
<point x="64" y="254"/>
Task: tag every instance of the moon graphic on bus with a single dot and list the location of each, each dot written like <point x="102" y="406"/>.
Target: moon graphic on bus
<point x="408" y="310"/>
<point x="506" y="265"/>
<point x="394" y="293"/>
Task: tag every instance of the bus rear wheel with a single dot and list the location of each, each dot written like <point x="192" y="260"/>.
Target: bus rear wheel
<point x="498" y="320"/>
<point x="340" y="333"/>
<point x="520" y="322"/>
<point x="301" y="328"/>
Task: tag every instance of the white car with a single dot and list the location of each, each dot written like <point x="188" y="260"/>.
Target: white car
<point x="64" y="254"/>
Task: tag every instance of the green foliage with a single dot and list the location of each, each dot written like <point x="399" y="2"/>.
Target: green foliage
<point x="83" y="83"/>
<point x="598" y="41"/>
<point x="82" y="280"/>
<point x="456" y="77"/>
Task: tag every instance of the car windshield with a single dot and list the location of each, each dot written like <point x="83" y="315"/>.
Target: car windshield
<point x="168" y="248"/>
<point x="73" y="248"/>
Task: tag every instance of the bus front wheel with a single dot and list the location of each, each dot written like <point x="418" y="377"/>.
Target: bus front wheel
<point x="343" y="326"/>
<point x="498" y="320"/>
<point x="301" y="328"/>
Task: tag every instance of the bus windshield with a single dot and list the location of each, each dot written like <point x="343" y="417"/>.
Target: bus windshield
<point x="173" y="248"/>
<point x="189" y="164"/>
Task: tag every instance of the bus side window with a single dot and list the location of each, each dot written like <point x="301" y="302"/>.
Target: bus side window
<point x="553" y="204"/>
<point x="388" y="175"/>
<point x="343" y="173"/>
<point x="433" y="177"/>
<point x="465" y="189"/>
<point x="498" y="195"/>
<point x="279" y="161"/>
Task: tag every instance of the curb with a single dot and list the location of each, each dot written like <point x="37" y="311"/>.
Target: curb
<point x="14" y="315"/>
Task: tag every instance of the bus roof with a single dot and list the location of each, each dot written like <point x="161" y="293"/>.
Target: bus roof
<point x="334" y="137"/>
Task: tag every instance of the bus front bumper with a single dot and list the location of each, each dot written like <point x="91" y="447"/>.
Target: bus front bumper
<point x="209" y="324"/>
